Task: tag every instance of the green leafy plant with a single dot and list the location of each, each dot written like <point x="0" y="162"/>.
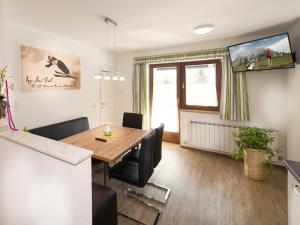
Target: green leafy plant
<point x="255" y="138"/>
<point x="2" y="82"/>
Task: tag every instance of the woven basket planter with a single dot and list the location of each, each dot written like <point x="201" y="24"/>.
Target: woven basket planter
<point x="253" y="164"/>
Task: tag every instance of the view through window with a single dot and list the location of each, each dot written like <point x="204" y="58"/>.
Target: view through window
<point x="164" y="100"/>
<point x="201" y="85"/>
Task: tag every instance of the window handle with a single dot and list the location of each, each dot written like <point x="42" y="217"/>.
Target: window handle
<point x="182" y="85"/>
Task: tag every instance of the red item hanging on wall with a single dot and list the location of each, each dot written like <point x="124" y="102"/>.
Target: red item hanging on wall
<point x="9" y="116"/>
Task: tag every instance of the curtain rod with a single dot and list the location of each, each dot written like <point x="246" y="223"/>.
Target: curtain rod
<point x="182" y="54"/>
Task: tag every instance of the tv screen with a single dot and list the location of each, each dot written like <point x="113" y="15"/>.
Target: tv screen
<point x="263" y="54"/>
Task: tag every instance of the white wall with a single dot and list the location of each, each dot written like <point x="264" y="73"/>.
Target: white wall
<point x="294" y="37"/>
<point x="38" y="189"/>
<point x="267" y="96"/>
<point x="293" y="131"/>
<point x="123" y="90"/>
<point x="267" y="90"/>
<point x="1" y="34"/>
<point x="33" y="109"/>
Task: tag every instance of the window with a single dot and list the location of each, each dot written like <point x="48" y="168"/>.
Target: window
<point x="201" y="85"/>
<point x="183" y="85"/>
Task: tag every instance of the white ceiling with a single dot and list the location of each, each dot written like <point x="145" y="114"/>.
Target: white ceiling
<point x="145" y="24"/>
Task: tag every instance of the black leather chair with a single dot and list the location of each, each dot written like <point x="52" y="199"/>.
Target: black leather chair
<point x="157" y="156"/>
<point x="105" y="210"/>
<point x="133" y="120"/>
<point x="135" y="154"/>
<point x="137" y="173"/>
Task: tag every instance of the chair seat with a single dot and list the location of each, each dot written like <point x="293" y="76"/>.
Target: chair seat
<point x="132" y="156"/>
<point x="104" y="205"/>
<point x="126" y="171"/>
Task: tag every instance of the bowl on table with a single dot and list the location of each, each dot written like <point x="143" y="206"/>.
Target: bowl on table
<point x="107" y="131"/>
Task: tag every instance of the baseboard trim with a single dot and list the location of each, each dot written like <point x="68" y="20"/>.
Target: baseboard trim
<point x="278" y="163"/>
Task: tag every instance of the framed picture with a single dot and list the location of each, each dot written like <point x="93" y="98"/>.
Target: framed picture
<point x="47" y="70"/>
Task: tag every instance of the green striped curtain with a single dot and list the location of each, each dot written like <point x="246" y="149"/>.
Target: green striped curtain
<point x="234" y="99"/>
<point x="140" y="92"/>
<point x="183" y="56"/>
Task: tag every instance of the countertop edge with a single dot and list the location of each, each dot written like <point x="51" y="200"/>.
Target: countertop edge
<point x="287" y="164"/>
<point x="61" y="151"/>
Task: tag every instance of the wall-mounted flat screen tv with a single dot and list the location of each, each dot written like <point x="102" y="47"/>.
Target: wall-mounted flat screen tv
<point x="263" y="54"/>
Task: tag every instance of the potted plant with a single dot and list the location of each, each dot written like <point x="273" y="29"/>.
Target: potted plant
<point x="254" y="147"/>
<point x="3" y="103"/>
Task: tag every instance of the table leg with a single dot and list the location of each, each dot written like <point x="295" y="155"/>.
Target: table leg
<point x="105" y="176"/>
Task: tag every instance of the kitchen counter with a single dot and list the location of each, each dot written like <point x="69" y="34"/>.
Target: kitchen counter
<point x="294" y="168"/>
<point x="67" y="153"/>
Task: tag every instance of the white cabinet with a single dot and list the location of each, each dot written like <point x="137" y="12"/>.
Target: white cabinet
<point x="293" y="201"/>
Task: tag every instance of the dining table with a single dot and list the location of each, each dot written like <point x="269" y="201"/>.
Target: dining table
<point x="108" y="148"/>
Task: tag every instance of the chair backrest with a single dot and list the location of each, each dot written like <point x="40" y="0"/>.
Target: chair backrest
<point x="133" y="120"/>
<point x="146" y="158"/>
<point x="62" y="130"/>
<point x="158" y="145"/>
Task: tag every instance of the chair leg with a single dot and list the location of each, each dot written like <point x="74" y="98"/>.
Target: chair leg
<point x="159" y="211"/>
<point x="131" y="219"/>
<point x="166" y="197"/>
<point x="166" y="189"/>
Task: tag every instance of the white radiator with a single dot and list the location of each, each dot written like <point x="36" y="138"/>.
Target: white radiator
<point x="218" y="137"/>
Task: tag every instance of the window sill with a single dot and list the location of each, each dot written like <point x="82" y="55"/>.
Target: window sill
<point x="199" y="111"/>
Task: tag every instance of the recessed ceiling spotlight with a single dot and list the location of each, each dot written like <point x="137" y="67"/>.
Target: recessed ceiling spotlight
<point x="203" y="29"/>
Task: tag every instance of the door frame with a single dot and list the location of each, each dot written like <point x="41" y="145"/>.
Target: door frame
<point x="173" y="137"/>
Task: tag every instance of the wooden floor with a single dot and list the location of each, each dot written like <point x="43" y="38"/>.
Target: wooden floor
<point x="209" y="189"/>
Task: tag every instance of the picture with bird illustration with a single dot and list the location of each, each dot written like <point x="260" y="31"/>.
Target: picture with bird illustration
<point x="47" y="70"/>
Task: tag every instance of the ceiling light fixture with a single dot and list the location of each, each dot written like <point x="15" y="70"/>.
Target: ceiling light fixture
<point x="97" y="77"/>
<point x="109" y="71"/>
<point x="107" y="77"/>
<point x="203" y="29"/>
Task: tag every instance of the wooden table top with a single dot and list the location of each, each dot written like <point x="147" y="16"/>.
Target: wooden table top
<point x="123" y="139"/>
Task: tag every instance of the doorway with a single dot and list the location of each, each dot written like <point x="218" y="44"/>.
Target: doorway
<point x="164" y="99"/>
